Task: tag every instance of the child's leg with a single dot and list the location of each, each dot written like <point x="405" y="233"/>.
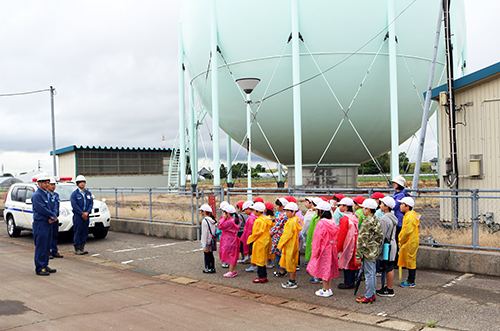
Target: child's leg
<point x="262" y="271"/>
<point x="411" y="275"/>
<point x="280" y="269"/>
<point x="349" y="277"/>
<point x="327" y="284"/>
<point x="292" y="276"/>
<point x="232" y="267"/>
<point x="210" y="260"/>
<point x="390" y="279"/>
<point x="370" y="278"/>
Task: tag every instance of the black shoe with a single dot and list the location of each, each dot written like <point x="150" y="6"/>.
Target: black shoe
<point x="279" y="274"/>
<point x="50" y="257"/>
<point x="385" y="292"/>
<point x="209" y="271"/>
<point x="343" y="286"/>
<point x="57" y="255"/>
<point x="50" y="270"/>
<point x="43" y="272"/>
<point x="82" y="247"/>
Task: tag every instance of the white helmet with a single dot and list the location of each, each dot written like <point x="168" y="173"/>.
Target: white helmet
<point x="399" y="180"/>
<point x="52" y="180"/>
<point x="43" y="176"/>
<point x="80" y="178"/>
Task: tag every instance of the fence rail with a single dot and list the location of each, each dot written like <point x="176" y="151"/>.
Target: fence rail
<point x="449" y="218"/>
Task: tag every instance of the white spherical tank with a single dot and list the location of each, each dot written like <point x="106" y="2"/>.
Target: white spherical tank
<point x="347" y="35"/>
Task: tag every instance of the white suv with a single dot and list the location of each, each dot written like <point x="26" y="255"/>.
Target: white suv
<point x="18" y="212"/>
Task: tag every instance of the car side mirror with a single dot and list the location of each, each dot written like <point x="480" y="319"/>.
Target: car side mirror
<point x="28" y="201"/>
<point x="103" y="199"/>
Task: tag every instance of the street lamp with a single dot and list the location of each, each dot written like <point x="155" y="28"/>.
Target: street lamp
<point x="248" y="85"/>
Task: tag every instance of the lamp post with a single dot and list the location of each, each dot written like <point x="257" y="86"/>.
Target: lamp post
<point x="248" y="85"/>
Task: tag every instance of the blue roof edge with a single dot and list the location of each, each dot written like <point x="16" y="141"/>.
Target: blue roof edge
<point x="468" y="79"/>
<point x="81" y="147"/>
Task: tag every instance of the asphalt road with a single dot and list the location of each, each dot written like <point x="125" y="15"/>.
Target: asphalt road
<point x="449" y="299"/>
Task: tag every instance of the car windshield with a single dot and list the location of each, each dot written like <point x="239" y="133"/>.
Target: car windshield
<point x="65" y="191"/>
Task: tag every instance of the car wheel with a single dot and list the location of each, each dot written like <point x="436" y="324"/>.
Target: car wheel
<point x="100" y="234"/>
<point x="12" y="230"/>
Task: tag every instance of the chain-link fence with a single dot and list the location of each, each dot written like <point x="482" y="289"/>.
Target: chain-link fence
<point x="460" y="218"/>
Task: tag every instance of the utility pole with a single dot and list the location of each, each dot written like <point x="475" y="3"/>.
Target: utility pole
<point x="52" y="92"/>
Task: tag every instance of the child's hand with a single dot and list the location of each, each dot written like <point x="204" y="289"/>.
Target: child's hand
<point x="358" y="261"/>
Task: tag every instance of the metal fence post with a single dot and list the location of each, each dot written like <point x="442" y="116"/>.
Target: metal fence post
<point x="197" y="215"/>
<point x="475" y="219"/>
<point x="150" y="205"/>
<point x="192" y="207"/>
<point x="116" y="202"/>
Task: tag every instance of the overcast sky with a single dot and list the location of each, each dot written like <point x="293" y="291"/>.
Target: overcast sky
<point x="113" y="64"/>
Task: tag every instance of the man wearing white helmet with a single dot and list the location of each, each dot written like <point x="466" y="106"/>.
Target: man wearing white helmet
<point x="82" y="203"/>
<point x="55" y="202"/>
<point x="43" y="217"/>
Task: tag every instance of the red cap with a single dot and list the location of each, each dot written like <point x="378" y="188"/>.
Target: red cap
<point x="240" y="204"/>
<point x="358" y="199"/>
<point x="377" y="195"/>
<point x="291" y="199"/>
<point x="269" y="206"/>
<point x="258" y="199"/>
<point x="324" y="199"/>
<point x="339" y="196"/>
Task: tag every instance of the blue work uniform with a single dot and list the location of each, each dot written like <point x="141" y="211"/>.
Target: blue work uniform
<point x="55" y="202"/>
<point x="397" y="212"/>
<point x="81" y="202"/>
<point x="42" y="213"/>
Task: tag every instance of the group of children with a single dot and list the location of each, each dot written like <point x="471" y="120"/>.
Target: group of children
<point x="356" y="235"/>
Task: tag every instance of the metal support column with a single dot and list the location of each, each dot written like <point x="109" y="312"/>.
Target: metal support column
<point x="425" y="115"/>
<point x="182" y="112"/>
<point x="297" y="112"/>
<point x="193" y="146"/>
<point x="229" y="164"/>
<point x="249" y="149"/>
<point x="52" y="92"/>
<point x="393" y="82"/>
<point x="215" y="94"/>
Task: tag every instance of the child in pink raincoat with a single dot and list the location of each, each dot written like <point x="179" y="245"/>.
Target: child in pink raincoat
<point x="247" y="232"/>
<point x="324" y="263"/>
<point x="229" y="242"/>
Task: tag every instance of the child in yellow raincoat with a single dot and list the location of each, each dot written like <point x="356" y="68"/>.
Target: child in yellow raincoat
<point x="261" y="239"/>
<point x="408" y="240"/>
<point x="289" y="244"/>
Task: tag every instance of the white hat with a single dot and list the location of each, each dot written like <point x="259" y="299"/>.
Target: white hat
<point x="259" y="206"/>
<point x="389" y="202"/>
<point x="399" y="180"/>
<point x="52" y="180"/>
<point x="323" y="205"/>
<point x="346" y="202"/>
<point x="292" y="206"/>
<point x="316" y="201"/>
<point x="206" y="208"/>
<point x="310" y="199"/>
<point x="246" y="205"/>
<point x="408" y="201"/>
<point x="223" y="204"/>
<point x="370" y="204"/>
<point x="229" y="209"/>
<point x="43" y="176"/>
<point x="283" y="201"/>
<point x="80" y="178"/>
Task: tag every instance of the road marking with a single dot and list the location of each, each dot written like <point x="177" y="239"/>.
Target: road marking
<point x="194" y="250"/>
<point x="95" y="254"/>
<point x="127" y="262"/>
<point x="148" y="258"/>
<point x="457" y="279"/>
<point x="139" y="248"/>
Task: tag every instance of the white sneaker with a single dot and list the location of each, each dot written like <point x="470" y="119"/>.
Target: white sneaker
<point x="323" y="293"/>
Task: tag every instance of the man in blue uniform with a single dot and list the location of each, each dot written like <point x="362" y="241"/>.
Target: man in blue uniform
<point x="82" y="203"/>
<point x="55" y="202"/>
<point x="43" y="217"/>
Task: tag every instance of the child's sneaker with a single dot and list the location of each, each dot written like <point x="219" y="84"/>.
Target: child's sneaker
<point x="233" y="274"/>
<point x="246" y="260"/>
<point x="280" y="274"/>
<point x="227" y="274"/>
<point x="269" y="265"/>
<point x="225" y="265"/>
<point x="323" y="293"/>
<point x="385" y="292"/>
<point x="251" y="269"/>
<point x="315" y="280"/>
<point x="366" y="300"/>
<point x="289" y="284"/>
<point x="259" y="280"/>
<point x="297" y="268"/>
<point x="407" y="284"/>
<point x="344" y="286"/>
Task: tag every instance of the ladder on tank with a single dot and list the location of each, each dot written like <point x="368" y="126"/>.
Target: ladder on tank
<point x="174" y="165"/>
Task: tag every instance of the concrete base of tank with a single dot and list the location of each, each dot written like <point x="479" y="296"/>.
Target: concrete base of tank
<point x="326" y="175"/>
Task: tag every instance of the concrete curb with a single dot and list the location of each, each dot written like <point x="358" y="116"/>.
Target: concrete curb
<point x="156" y="229"/>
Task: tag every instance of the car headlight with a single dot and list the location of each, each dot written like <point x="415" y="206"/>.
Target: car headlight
<point x="104" y="208"/>
<point x="63" y="211"/>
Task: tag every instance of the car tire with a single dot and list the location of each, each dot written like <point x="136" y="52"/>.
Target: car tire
<point x="12" y="230"/>
<point x="101" y="234"/>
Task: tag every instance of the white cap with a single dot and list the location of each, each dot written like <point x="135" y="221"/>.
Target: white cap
<point x="317" y="201"/>
<point x="389" y="202"/>
<point x="399" y="180"/>
<point x="310" y="199"/>
<point x="52" y="180"/>
<point x="292" y="206"/>
<point x="323" y="205"/>
<point x="246" y="205"/>
<point x="229" y="209"/>
<point x="259" y="206"/>
<point x="370" y="204"/>
<point x="206" y="208"/>
<point x="346" y="202"/>
<point x="223" y="204"/>
<point x="80" y="178"/>
<point x="407" y="201"/>
<point x="283" y="201"/>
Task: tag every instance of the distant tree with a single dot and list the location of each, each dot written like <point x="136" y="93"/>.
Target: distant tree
<point x="370" y="168"/>
<point x="7" y="175"/>
<point x="403" y="161"/>
<point x="223" y="171"/>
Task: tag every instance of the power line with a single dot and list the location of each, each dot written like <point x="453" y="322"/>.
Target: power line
<point x="23" y="93"/>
